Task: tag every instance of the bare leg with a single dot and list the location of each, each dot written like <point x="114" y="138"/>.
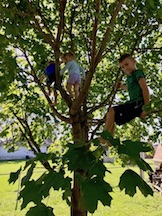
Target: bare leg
<point x="49" y="89"/>
<point x="69" y="89"/>
<point x="55" y="97"/>
<point x="76" y="89"/>
<point x="109" y="125"/>
<point x="110" y="119"/>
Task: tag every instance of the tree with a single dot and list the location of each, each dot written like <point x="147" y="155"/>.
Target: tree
<point x="33" y="32"/>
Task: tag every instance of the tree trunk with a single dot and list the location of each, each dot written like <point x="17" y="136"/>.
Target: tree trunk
<point x="79" y="133"/>
<point x="76" y="208"/>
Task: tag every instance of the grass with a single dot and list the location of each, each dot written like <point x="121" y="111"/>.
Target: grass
<point x="122" y="205"/>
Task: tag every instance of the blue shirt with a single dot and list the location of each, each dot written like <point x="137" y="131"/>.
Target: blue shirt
<point x="50" y="69"/>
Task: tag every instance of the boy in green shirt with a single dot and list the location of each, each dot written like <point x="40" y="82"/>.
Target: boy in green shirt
<point x="138" y="93"/>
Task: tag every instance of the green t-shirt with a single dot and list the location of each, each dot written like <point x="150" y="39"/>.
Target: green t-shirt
<point x="134" y="89"/>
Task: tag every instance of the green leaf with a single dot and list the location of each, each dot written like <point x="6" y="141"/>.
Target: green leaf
<point x="94" y="190"/>
<point x="55" y="180"/>
<point x="40" y="210"/>
<point x="130" y="180"/>
<point x="98" y="169"/>
<point x="30" y="193"/>
<point x="45" y="157"/>
<point x="152" y="3"/>
<point x="160" y="12"/>
<point x="29" y="174"/>
<point x="41" y="157"/>
<point x="107" y="136"/>
<point x="14" y="176"/>
<point x="67" y="196"/>
<point x="133" y="149"/>
<point x="98" y="152"/>
<point x="143" y="165"/>
<point x="78" y="158"/>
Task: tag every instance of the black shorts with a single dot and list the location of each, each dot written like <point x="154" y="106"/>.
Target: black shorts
<point x="52" y="79"/>
<point x="128" y="111"/>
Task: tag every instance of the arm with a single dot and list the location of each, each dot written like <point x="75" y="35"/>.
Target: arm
<point x="120" y="85"/>
<point x="65" y="68"/>
<point x="145" y="92"/>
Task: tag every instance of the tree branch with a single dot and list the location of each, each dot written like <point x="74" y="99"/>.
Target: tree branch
<point x="23" y="123"/>
<point x="62" y="5"/>
<point x="47" y="37"/>
<point x="107" y="33"/>
<point x="71" y="26"/>
<point x="36" y="79"/>
<point x="77" y="103"/>
<point x="45" y="25"/>
<point x="110" y="97"/>
<point x="30" y="139"/>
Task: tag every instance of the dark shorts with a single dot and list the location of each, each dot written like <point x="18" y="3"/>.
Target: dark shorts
<point x="128" y="111"/>
<point x="52" y="79"/>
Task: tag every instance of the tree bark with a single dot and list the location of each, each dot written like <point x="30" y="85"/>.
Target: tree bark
<point x="79" y="134"/>
<point x="76" y="208"/>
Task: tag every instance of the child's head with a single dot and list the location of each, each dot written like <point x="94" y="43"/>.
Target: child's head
<point x="68" y="57"/>
<point x="127" y="63"/>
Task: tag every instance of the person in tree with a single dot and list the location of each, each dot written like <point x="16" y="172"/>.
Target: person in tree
<point x="138" y="93"/>
<point x="50" y="74"/>
<point x="74" y="80"/>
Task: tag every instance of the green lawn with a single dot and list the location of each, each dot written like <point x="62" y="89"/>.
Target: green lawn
<point x="122" y="205"/>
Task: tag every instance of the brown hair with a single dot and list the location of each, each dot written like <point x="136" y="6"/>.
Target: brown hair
<point x="70" y="54"/>
<point x="124" y="56"/>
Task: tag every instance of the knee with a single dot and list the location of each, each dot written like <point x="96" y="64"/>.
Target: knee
<point x="76" y="90"/>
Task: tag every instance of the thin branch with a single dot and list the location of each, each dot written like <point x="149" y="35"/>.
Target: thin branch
<point x="31" y="136"/>
<point x="62" y="5"/>
<point x="46" y="37"/>
<point x="36" y="79"/>
<point x="108" y="31"/>
<point x="71" y="26"/>
<point x="101" y="121"/>
<point x="77" y="103"/>
<point x="31" y="140"/>
<point x="110" y="96"/>
<point x="143" y="50"/>
<point x="23" y="124"/>
<point x="95" y="25"/>
<point x="45" y="25"/>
